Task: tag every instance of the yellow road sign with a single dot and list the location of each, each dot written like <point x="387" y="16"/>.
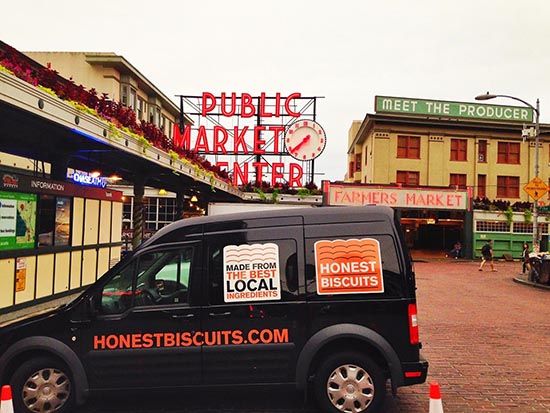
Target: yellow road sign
<point x="536" y="188"/>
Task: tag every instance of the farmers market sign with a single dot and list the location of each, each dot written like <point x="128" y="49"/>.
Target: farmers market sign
<point x="464" y="110"/>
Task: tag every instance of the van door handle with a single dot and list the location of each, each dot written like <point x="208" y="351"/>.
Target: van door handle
<point x="180" y="316"/>
<point x="226" y="314"/>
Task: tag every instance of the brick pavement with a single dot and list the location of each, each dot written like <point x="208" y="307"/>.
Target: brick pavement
<point x="487" y="340"/>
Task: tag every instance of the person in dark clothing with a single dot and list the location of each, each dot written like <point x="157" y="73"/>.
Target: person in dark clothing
<point x="487" y="255"/>
<point x="525" y="257"/>
<point x="457" y="250"/>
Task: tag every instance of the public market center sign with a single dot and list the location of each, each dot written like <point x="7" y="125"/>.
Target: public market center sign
<point x="463" y="110"/>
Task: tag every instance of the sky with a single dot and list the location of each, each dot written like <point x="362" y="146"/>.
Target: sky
<point x="347" y="51"/>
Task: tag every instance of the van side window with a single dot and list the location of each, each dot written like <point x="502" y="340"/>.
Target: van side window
<point x="288" y="267"/>
<point x="392" y="274"/>
<point x="162" y="278"/>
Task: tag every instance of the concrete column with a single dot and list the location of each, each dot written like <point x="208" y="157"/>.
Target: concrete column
<point x="59" y="164"/>
<point x="469" y="234"/>
<point x="138" y="211"/>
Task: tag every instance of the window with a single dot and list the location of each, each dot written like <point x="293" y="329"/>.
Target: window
<point x="124" y="94"/>
<point x="127" y="209"/>
<point x="163" y="122"/>
<point x="358" y="162"/>
<point x="408" y="147"/>
<point x="482" y="151"/>
<point x="128" y="95"/>
<point x="481" y="186"/>
<point x="508" y="152"/>
<point x="458" y="180"/>
<point x="140" y="108"/>
<point x="508" y="186"/>
<point x="162" y="278"/>
<point x="54" y="221"/>
<point x="351" y="169"/>
<point x="154" y="114"/>
<point x="492" y="226"/>
<point x="288" y="266"/>
<point x="459" y="149"/>
<point x="408" y="178"/>
<point x="132" y="103"/>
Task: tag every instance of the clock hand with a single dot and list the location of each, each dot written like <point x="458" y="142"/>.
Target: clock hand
<point x="304" y="141"/>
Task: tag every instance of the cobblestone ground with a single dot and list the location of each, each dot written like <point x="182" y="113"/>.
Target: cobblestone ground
<point x="487" y="340"/>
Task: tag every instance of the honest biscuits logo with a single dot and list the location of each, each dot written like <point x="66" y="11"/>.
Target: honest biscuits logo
<point x="251" y="272"/>
<point x="351" y="266"/>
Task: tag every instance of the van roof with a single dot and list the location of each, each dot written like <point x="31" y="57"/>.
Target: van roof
<point x="315" y="215"/>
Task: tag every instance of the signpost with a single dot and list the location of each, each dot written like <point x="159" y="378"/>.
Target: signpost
<point x="464" y="110"/>
<point x="536" y="188"/>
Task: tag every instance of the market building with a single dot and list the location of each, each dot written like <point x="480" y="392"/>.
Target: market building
<point x="61" y="224"/>
<point x="414" y="153"/>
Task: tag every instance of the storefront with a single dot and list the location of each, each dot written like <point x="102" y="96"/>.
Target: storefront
<point x="433" y="219"/>
<point x="55" y="237"/>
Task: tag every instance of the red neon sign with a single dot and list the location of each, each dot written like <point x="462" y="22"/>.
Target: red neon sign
<point x="243" y="140"/>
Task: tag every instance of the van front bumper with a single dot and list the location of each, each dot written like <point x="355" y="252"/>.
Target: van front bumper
<point x="415" y="373"/>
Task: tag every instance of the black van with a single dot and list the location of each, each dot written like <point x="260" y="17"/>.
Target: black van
<point x="319" y="298"/>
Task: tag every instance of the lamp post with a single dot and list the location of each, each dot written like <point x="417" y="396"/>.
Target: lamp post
<point x="488" y="96"/>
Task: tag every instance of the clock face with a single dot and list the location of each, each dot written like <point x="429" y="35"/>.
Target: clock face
<point x="305" y="140"/>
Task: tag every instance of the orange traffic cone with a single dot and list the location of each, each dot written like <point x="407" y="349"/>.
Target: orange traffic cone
<point x="436" y="406"/>
<point x="6" y="404"/>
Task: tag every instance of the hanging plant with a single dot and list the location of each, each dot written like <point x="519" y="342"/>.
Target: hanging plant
<point x="509" y="214"/>
<point x="260" y="193"/>
<point x="528" y="216"/>
<point x="275" y="195"/>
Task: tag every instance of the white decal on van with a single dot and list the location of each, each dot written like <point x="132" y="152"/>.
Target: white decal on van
<point x="351" y="266"/>
<point x="251" y="273"/>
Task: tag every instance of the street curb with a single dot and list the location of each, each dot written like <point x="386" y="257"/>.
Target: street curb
<point x="531" y="284"/>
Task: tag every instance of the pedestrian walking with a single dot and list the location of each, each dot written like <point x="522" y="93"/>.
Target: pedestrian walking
<point x="525" y="257"/>
<point x="487" y="255"/>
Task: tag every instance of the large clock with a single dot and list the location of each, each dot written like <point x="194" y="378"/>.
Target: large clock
<point x="305" y="140"/>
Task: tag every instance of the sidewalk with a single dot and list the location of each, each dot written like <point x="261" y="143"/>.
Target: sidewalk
<point x="522" y="279"/>
<point x="35" y="309"/>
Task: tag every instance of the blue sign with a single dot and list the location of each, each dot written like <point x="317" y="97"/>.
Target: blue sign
<point x="82" y="178"/>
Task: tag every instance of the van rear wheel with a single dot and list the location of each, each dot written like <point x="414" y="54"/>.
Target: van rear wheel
<point x="349" y="382"/>
<point x="43" y="385"/>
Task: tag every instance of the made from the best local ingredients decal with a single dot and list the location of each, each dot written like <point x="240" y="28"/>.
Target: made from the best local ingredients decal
<point x="251" y="273"/>
<point x="352" y="266"/>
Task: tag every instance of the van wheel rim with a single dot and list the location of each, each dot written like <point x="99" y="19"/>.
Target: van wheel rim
<point x="350" y="388"/>
<point x="46" y="391"/>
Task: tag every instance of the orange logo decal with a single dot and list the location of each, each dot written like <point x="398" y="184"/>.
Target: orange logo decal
<point x="352" y="266"/>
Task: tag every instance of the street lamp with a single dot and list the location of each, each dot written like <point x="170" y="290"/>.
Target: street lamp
<point x="488" y="96"/>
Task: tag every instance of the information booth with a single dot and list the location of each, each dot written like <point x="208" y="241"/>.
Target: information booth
<point x="55" y="237"/>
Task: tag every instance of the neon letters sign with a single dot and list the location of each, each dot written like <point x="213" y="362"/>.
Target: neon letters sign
<point x="261" y="123"/>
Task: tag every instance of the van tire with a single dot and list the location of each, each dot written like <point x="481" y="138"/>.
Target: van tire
<point x="58" y="391"/>
<point x="346" y="367"/>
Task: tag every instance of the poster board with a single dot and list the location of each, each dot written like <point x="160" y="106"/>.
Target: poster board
<point x="17" y="220"/>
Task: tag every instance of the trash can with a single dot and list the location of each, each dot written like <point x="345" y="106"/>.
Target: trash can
<point x="535" y="262"/>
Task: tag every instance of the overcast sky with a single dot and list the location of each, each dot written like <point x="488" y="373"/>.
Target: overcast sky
<point x="347" y="51"/>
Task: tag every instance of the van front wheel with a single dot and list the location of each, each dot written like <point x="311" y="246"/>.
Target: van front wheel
<point x="349" y="382"/>
<point x="43" y="385"/>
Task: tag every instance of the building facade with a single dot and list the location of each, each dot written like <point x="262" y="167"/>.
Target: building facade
<point x="113" y="74"/>
<point x="487" y="157"/>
